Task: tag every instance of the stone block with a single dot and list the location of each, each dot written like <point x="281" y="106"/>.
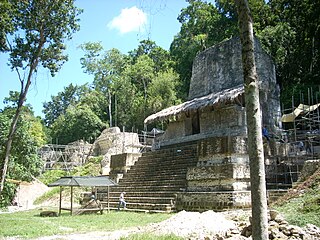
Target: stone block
<point x="219" y="201"/>
<point x="223" y="145"/>
<point x="121" y="163"/>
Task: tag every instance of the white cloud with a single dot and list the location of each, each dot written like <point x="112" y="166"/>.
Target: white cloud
<point x="129" y="20"/>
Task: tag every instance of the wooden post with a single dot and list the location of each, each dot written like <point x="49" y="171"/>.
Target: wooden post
<point x="60" y="202"/>
<point x="71" y="200"/>
<point x="108" y="199"/>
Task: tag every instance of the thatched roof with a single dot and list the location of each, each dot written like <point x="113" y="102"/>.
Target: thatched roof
<point x="200" y="103"/>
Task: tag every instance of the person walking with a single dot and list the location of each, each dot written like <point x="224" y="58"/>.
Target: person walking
<point x="122" y="201"/>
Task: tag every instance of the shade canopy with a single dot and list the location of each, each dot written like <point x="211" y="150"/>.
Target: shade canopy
<point x="83" y="181"/>
<point x="301" y="109"/>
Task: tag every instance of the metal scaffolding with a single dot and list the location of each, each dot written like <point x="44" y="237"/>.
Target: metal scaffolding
<point x="64" y="157"/>
<point x="297" y="141"/>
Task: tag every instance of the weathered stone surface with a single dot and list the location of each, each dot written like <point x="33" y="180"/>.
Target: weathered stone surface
<point x="220" y="67"/>
<point x="278" y="229"/>
<point x="223" y="149"/>
<point x="113" y="142"/>
<point x="201" y="201"/>
<point x="219" y="177"/>
<point x="121" y="163"/>
<point x="230" y="120"/>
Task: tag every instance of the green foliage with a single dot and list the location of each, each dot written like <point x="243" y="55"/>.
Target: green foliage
<point x="77" y="123"/>
<point x="25" y="162"/>
<point x="312" y="202"/>
<point x="8" y="194"/>
<point x="95" y="160"/>
<point x="51" y="176"/>
<point x="89" y="169"/>
<point x="28" y="224"/>
<point x="59" y="104"/>
<point x="301" y="205"/>
<point x="6" y="24"/>
<point x="162" y="92"/>
<point x="41" y="28"/>
<point x="48" y="195"/>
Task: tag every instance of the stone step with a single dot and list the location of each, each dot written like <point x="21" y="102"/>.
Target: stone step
<point x="158" y="177"/>
<point x="148" y="194"/>
<point x="155" y="188"/>
<point x="176" y="155"/>
<point x="139" y="199"/>
<point x="187" y="148"/>
<point x="147" y="182"/>
<point x="274" y="195"/>
<point x="138" y="210"/>
<point x="162" y="167"/>
<point x="145" y="206"/>
<point x="180" y="156"/>
<point x="152" y="183"/>
<point x="151" y="164"/>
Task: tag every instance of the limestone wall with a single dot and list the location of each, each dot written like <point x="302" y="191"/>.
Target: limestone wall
<point x="220" y="67"/>
<point x="202" y="201"/>
<point x="230" y="120"/>
<point x="112" y="142"/>
<point x="223" y="165"/>
<point x="174" y="130"/>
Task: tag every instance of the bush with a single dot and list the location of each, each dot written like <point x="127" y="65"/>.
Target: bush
<point x="51" y="176"/>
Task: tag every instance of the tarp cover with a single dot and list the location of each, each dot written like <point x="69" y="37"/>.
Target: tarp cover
<point x="84" y="181"/>
<point x="301" y="109"/>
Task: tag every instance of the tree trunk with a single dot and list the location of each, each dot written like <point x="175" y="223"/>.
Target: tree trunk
<point x="12" y="131"/>
<point x="22" y="98"/>
<point x="255" y="146"/>
<point x="110" y="107"/>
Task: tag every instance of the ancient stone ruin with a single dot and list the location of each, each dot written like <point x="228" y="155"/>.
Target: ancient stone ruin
<point x="201" y="161"/>
<point x="215" y="117"/>
<point x="114" y="142"/>
<point x="110" y="142"/>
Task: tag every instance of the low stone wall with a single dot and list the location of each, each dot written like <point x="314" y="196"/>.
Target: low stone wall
<point x="121" y="163"/>
<point x="219" y="201"/>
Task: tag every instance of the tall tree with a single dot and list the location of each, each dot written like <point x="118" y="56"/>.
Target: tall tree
<point x="24" y="159"/>
<point x="59" y="104"/>
<point x="255" y="147"/>
<point x="78" y="122"/>
<point x="40" y="30"/>
<point x="202" y="25"/>
<point x="297" y="44"/>
<point x="6" y="25"/>
<point x="106" y="68"/>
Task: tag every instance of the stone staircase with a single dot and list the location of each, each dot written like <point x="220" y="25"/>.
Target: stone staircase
<point x="153" y="181"/>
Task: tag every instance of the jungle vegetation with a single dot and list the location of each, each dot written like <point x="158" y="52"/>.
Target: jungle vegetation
<point x="127" y="87"/>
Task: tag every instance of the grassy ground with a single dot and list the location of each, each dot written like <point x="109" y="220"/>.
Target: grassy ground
<point x="29" y="224"/>
<point x="302" y="204"/>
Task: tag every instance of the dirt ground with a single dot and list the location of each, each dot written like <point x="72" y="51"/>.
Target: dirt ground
<point x="188" y="225"/>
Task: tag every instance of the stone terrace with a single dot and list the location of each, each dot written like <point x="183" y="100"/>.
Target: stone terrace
<point x="153" y="182"/>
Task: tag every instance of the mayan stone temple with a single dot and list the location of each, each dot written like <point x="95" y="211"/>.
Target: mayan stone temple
<point x="201" y="162"/>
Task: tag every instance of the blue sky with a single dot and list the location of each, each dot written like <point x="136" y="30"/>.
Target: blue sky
<point x="120" y="24"/>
